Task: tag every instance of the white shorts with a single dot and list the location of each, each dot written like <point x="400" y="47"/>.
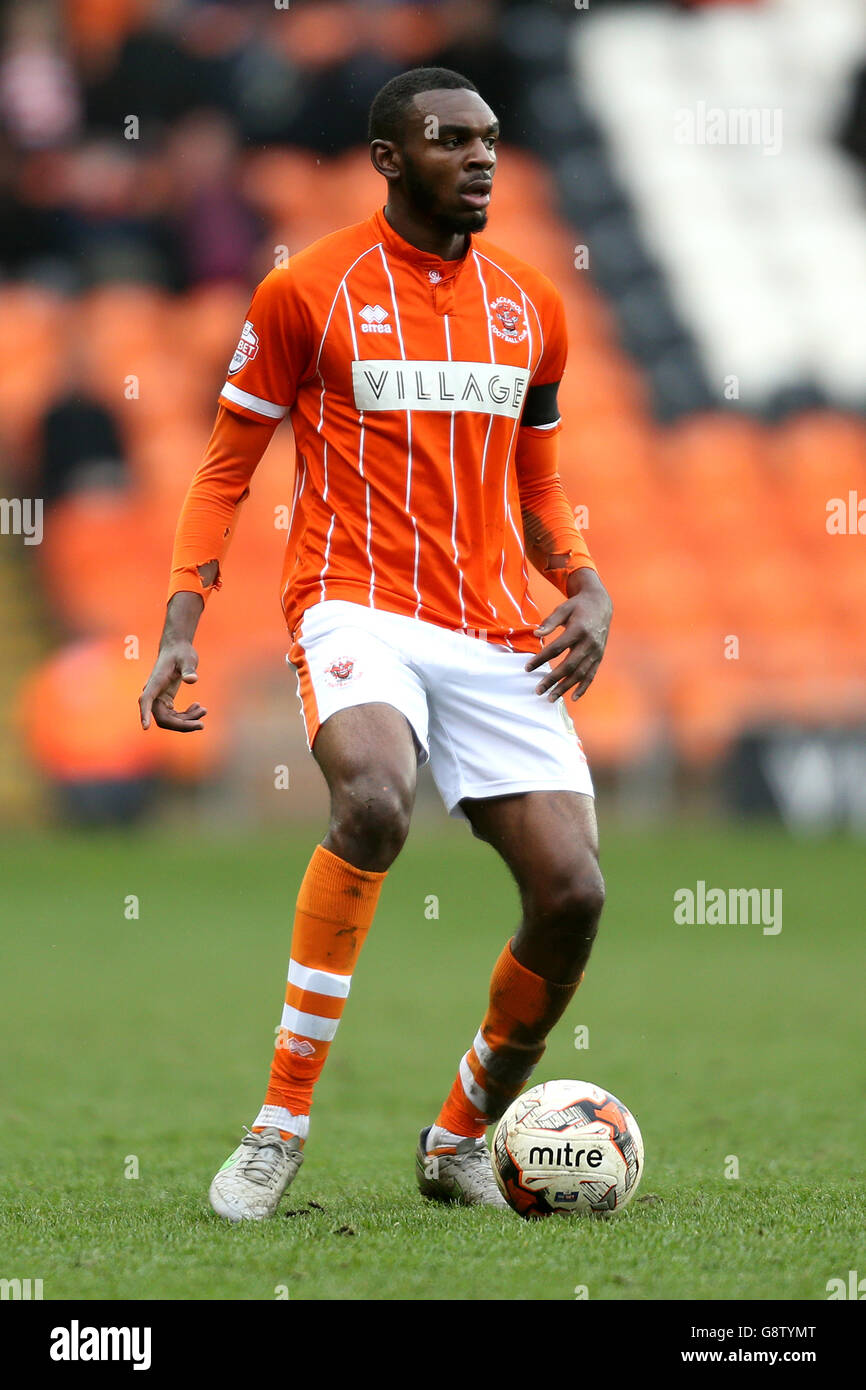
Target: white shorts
<point x="471" y="703"/>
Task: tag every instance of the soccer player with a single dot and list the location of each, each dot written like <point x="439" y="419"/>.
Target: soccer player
<point x="419" y="366"/>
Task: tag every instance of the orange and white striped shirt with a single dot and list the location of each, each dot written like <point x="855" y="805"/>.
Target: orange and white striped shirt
<point x="405" y="377"/>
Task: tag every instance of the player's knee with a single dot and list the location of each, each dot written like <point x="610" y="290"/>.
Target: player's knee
<point x="370" y="818"/>
<point x="572" y="898"/>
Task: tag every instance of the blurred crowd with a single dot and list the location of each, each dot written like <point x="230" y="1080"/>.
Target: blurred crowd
<point x="125" y="122"/>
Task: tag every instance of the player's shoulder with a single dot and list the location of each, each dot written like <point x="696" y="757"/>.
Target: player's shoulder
<point x="323" y="263"/>
<point x="533" y="282"/>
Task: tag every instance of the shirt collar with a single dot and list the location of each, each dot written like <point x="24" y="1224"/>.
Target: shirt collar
<point x="432" y="265"/>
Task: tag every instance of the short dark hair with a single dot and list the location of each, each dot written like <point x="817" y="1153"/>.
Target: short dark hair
<point x="390" y="105"/>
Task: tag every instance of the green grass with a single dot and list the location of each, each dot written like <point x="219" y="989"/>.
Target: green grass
<point x="152" y="1038"/>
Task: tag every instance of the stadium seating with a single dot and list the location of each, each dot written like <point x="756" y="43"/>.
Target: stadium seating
<point x="707" y="529"/>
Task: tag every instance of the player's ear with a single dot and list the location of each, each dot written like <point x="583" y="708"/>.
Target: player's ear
<point x="385" y="158"/>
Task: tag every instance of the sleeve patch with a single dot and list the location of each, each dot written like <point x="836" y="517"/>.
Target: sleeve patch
<point x="246" y="350"/>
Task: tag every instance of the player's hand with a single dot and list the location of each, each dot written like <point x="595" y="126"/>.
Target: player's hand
<point x="177" y="662"/>
<point x="585" y="622"/>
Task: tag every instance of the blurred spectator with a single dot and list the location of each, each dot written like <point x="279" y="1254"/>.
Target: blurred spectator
<point x="215" y="230"/>
<point x="31" y="242"/>
<point x="39" y="98"/>
<point x="81" y="447"/>
<point x="79" y="443"/>
<point x="149" y="73"/>
<point x="113" y="223"/>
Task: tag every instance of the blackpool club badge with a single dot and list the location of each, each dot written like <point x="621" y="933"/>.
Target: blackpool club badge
<point x="341" y="672"/>
<point x="506" y="319"/>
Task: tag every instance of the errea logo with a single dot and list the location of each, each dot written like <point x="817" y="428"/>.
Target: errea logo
<point x="374" y="317"/>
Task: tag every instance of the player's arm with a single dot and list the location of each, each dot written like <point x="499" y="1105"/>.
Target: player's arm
<point x="557" y="549"/>
<point x="204" y="532"/>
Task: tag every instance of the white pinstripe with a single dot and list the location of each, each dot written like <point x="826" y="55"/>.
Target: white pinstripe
<point x="361" y="445"/>
<point x="408" y="432"/>
<point x="505" y="482"/>
<point x="454" y="490"/>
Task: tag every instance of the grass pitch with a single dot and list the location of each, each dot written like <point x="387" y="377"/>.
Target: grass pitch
<point x="134" y="1049"/>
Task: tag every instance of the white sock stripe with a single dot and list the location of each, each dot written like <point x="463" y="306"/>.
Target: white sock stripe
<point x="319" y="981"/>
<point x="471" y="1089"/>
<point x="486" y="1056"/>
<point x="308" y="1025"/>
<point x="275" y="1117"/>
<point x="482" y="1051"/>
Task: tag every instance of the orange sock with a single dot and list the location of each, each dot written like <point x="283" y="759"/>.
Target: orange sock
<point x="522" y="1011"/>
<point x="336" y="906"/>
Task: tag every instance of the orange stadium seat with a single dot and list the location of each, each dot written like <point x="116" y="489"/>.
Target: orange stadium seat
<point x="104" y="561"/>
<point x="94" y="24"/>
<point x="164" y="458"/>
<point x="316" y="36"/>
<point x="209" y="322"/>
<point x="79" y="717"/>
<point x="613" y="454"/>
<point x="352" y="188"/>
<point x="818" y="460"/>
<point x="590" y="322"/>
<point x="665" y="605"/>
<point x="820" y="451"/>
<point x="600" y="383"/>
<point x="124" y="320"/>
<point x="617" y="718"/>
<point x="283" y="184"/>
<point x="708" y="705"/>
<point x="33" y="323"/>
<point x="408" y="37"/>
<point x="128" y="337"/>
<point x="715" y="469"/>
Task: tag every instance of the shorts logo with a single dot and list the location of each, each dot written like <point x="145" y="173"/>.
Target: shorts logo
<point x="246" y="349"/>
<point x="374" y="317"/>
<point x="339" y="672"/>
<point x="509" y="318"/>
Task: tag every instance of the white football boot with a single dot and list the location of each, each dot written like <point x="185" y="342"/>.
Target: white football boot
<point x="457" y="1170"/>
<point x="252" y="1180"/>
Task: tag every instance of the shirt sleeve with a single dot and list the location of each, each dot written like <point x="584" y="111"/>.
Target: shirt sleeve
<point x="273" y="352"/>
<point x="554" y="350"/>
<point x="553" y="543"/>
<point x="210" y="511"/>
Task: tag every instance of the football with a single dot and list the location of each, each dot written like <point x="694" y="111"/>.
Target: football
<point x="567" y="1147"/>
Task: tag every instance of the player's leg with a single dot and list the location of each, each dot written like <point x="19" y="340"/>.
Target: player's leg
<point x="549" y="841"/>
<point x="368" y="757"/>
<point x="365" y="713"/>
<point x="512" y="764"/>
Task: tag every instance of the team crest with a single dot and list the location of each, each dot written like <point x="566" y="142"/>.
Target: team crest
<point x="339" y="672"/>
<point x="246" y="349"/>
<point x="506" y="320"/>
